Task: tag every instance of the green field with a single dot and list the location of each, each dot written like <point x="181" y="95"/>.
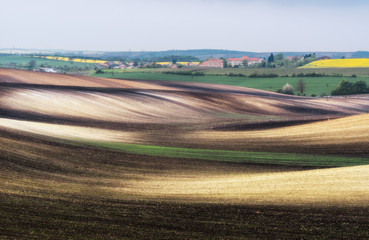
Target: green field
<point x="362" y="72"/>
<point x="346" y="72"/>
<point x="314" y="85"/>
<point x="22" y="61"/>
<point x="286" y="159"/>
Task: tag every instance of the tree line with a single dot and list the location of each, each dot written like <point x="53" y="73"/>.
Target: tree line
<point x="346" y="88"/>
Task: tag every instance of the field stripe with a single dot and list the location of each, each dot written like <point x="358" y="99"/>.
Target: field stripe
<point x="233" y="156"/>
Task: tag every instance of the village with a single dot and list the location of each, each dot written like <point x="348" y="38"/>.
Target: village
<point x="209" y="63"/>
<point x="78" y="64"/>
<point x="62" y="64"/>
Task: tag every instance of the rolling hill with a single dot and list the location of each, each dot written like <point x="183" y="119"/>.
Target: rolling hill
<point x="83" y="157"/>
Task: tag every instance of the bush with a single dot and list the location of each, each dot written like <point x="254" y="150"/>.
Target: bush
<point x="345" y="88"/>
<point x="236" y="75"/>
<point x="99" y="71"/>
<point x="360" y="87"/>
<point x="269" y="75"/>
<point x="186" y="73"/>
<point x="178" y="72"/>
<point x="198" y="73"/>
<point x="287" y="89"/>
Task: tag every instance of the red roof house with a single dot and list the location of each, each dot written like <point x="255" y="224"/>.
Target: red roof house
<point x="239" y="61"/>
<point x="212" y="63"/>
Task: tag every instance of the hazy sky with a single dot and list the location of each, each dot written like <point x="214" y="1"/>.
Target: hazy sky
<point x="247" y="25"/>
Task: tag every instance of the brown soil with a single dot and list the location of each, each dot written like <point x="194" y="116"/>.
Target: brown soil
<point x="179" y="114"/>
<point x="51" y="189"/>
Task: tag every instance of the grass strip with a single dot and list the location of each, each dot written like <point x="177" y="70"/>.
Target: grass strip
<point x="292" y="159"/>
<point x="314" y="85"/>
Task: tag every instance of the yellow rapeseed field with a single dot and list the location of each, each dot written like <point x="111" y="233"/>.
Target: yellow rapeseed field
<point x="339" y="63"/>
<point x="164" y="63"/>
<point x="186" y="63"/>
<point x="66" y="59"/>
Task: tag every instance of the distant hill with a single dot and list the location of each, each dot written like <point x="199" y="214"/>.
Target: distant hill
<point x="361" y="54"/>
<point x="198" y="53"/>
<point x="206" y="53"/>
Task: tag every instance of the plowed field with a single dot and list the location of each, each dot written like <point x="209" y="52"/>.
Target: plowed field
<point x="84" y="158"/>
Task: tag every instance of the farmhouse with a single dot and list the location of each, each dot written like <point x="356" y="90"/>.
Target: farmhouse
<point x="252" y="60"/>
<point x="235" y="61"/>
<point x="323" y="58"/>
<point x="112" y="65"/>
<point x="294" y="58"/>
<point x="212" y="63"/>
<point x="49" y="70"/>
<point x="240" y="61"/>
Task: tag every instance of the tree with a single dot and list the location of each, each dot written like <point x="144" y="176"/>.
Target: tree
<point x="66" y="68"/>
<point x="344" y="87"/>
<point x="225" y="63"/>
<point x="360" y="87"/>
<point x="262" y="64"/>
<point x="271" y="58"/>
<point x="287" y="89"/>
<point x="278" y="57"/>
<point x="32" y="64"/>
<point x="300" y="87"/>
<point x="245" y="63"/>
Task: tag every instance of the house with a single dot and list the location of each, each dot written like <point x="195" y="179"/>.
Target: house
<point x="130" y="65"/>
<point x="49" y="70"/>
<point x="188" y="64"/>
<point x="212" y="63"/>
<point x="323" y="58"/>
<point x="103" y="65"/>
<point x="294" y="58"/>
<point x="235" y="61"/>
<point x="252" y="61"/>
<point x="240" y="61"/>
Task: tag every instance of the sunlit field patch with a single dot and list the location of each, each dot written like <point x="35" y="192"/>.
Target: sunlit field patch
<point x="339" y="63"/>
<point x="80" y="60"/>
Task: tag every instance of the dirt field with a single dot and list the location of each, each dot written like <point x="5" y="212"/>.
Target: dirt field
<point x="55" y="190"/>
<point x="179" y="114"/>
<point x="101" y="193"/>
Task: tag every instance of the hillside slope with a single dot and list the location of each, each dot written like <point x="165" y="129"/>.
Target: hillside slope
<point x="176" y="114"/>
<point x="90" y="158"/>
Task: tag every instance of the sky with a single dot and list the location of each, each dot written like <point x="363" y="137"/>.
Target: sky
<point x="156" y="25"/>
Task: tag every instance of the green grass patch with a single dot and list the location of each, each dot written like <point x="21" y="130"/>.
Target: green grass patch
<point x="314" y="85"/>
<point x="363" y="72"/>
<point x="22" y="62"/>
<point x="290" y="159"/>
